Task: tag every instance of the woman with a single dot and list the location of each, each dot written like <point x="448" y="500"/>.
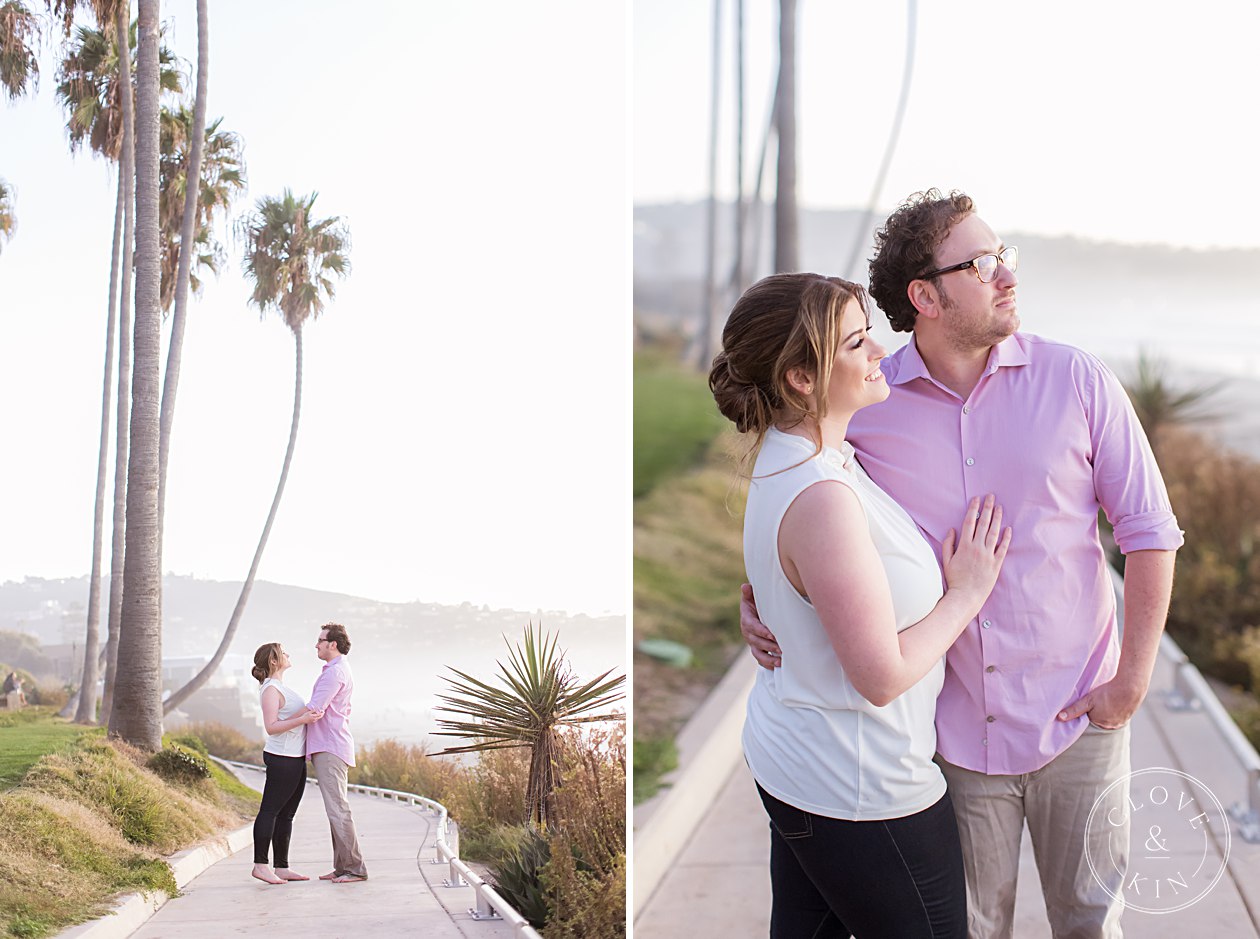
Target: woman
<point x="285" y="717"/>
<point x="840" y="739"/>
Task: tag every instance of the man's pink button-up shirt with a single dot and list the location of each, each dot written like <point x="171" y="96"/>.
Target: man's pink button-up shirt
<point x="331" y="733"/>
<point x="1050" y="431"/>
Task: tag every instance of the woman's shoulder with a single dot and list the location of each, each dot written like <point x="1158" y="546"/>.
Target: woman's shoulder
<point x="785" y="455"/>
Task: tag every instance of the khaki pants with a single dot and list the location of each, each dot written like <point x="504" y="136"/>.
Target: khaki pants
<point x="1055" y="801"/>
<point x="330" y="773"/>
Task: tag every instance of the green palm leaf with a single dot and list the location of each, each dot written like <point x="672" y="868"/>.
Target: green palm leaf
<point x="537" y="694"/>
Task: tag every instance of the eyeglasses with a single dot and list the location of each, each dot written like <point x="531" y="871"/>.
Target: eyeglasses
<point x="986" y="266"/>
<point x="321" y="641"/>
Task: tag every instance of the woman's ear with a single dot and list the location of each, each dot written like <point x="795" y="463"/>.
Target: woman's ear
<point x="800" y="380"/>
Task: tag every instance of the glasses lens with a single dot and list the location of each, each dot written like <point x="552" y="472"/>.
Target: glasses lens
<point x="1010" y="257"/>
<point x="986" y="267"/>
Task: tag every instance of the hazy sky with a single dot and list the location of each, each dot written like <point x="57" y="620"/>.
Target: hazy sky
<point x="1121" y="120"/>
<point x="464" y="428"/>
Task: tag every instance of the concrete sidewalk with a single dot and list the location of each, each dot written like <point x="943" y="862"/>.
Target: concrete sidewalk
<point x="718" y="883"/>
<point x="404" y="895"/>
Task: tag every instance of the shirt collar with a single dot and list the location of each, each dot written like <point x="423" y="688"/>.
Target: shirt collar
<point x="1009" y="352"/>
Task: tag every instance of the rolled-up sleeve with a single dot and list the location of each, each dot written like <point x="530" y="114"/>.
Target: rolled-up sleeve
<point x="1127" y="480"/>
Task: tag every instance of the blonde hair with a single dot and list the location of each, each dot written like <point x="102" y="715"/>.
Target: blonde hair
<point x="266" y="658"/>
<point x="782" y="322"/>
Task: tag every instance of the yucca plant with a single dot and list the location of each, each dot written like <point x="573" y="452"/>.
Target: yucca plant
<point x="540" y="696"/>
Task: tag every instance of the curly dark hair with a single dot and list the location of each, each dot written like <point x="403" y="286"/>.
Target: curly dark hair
<point x="904" y="248"/>
<point x="337" y="636"/>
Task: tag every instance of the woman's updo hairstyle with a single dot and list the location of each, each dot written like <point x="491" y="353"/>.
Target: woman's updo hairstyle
<point x="267" y="656"/>
<point x="782" y="322"/>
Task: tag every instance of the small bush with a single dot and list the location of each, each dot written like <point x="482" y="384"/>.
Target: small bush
<point x="179" y="765"/>
<point x="188" y="742"/>
<point x="225" y="742"/>
<point x="521" y="853"/>
<point x="389" y="764"/>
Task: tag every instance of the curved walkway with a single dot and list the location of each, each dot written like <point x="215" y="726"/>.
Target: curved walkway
<point x="404" y="895"/>
<point x="702" y="848"/>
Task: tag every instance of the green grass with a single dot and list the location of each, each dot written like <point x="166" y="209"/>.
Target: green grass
<point x="30" y="733"/>
<point x="675" y="419"/>
<point x="89" y="822"/>
<point x="653" y="758"/>
<point x="688" y="552"/>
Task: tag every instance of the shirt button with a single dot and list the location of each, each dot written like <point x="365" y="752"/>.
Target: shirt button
<point x="990" y="718"/>
<point x="991" y="668"/>
<point x="985" y="741"/>
<point x="986" y="624"/>
<point x="966" y="410"/>
<point x="970" y="461"/>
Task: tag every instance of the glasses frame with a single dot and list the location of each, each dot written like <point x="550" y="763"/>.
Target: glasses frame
<point x="999" y="261"/>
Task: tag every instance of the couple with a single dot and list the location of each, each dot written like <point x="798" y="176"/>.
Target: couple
<point x="884" y="823"/>
<point x="296" y="731"/>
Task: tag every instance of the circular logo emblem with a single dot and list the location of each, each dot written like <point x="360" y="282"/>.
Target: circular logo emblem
<point x="1174" y="832"/>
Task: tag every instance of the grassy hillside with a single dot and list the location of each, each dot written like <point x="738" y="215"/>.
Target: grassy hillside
<point x="91" y="819"/>
<point x="688" y="557"/>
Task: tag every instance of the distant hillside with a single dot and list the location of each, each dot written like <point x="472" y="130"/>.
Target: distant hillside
<point x="1105" y="296"/>
<point x="1196" y="310"/>
<point x="399" y="649"/>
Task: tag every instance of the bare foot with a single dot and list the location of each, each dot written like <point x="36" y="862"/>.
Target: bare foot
<point x="286" y="873"/>
<point x="263" y="873"/>
<point x="349" y="878"/>
<point x="330" y="875"/>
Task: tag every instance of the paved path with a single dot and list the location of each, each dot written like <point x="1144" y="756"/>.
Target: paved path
<point x="719" y="883"/>
<point x="404" y="895"/>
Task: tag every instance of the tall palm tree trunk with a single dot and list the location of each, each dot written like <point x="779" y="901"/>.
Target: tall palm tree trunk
<point x="863" y="239"/>
<point x="786" y="223"/>
<point x="196" y="682"/>
<point x="737" y="265"/>
<point x="122" y="436"/>
<point x="705" y="333"/>
<point x="86" y="711"/>
<point x="192" y="189"/>
<point x="137" y="713"/>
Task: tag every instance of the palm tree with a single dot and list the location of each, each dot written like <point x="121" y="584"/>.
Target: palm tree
<point x="290" y="256"/>
<point x="127" y="173"/>
<point x="193" y="236"/>
<point x="90" y="85"/>
<point x="8" y="219"/>
<point x="222" y="180"/>
<point x="137" y="705"/>
<point x="786" y="233"/>
<point x="1159" y="406"/>
<point x="704" y="335"/>
<point x="19" y="35"/>
<point x="541" y="696"/>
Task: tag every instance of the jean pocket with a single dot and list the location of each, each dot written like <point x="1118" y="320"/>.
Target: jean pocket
<point x="789" y="821"/>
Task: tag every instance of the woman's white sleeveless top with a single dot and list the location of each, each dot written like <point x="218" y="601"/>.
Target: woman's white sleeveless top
<point x="293" y="741"/>
<point x="809" y="738"/>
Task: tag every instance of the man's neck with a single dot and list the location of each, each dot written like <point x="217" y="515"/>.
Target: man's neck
<point x="332" y="658"/>
<point x="957" y="369"/>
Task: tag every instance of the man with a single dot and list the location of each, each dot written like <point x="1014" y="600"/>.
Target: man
<point x="330" y="748"/>
<point x="1032" y="722"/>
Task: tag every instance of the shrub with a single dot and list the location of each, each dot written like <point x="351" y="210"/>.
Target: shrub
<point x="1216" y="597"/>
<point x="188" y="742"/>
<point x="521" y="853"/>
<point x="179" y="765"/>
<point x="389" y="764"/>
<point x="225" y="742"/>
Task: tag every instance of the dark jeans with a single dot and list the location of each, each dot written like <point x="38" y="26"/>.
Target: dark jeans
<point x="286" y="781"/>
<point x="900" y="878"/>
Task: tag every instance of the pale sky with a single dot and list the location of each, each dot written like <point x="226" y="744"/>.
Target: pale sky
<point x="464" y="431"/>
<point x="1122" y="120"/>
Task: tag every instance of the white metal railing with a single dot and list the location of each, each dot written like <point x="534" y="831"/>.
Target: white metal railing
<point x="489" y="904"/>
<point x="1191" y="692"/>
